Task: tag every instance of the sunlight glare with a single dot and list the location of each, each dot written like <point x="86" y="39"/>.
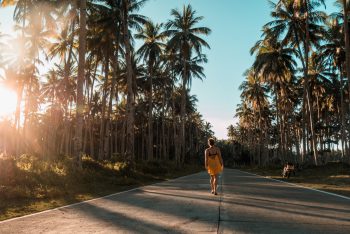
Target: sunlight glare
<point x="8" y="99"/>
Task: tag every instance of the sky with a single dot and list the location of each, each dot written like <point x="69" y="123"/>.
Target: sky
<point x="236" y="26"/>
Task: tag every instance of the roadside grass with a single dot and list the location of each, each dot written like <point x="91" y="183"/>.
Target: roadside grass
<point x="29" y="185"/>
<point x="333" y="177"/>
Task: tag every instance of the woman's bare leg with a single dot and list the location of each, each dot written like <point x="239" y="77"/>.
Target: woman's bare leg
<point x="212" y="183"/>
<point x="215" y="183"/>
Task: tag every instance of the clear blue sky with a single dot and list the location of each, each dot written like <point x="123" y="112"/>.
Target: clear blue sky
<point x="236" y="26"/>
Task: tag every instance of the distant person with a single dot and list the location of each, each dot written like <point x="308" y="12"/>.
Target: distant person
<point x="214" y="164"/>
<point x="288" y="170"/>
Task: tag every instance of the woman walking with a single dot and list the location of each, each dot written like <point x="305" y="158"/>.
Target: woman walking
<point x="213" y="164"/>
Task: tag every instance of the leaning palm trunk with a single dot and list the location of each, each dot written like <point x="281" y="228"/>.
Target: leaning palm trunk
<point x="81" y="75"/>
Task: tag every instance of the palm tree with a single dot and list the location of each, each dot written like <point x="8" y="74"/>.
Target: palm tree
<point x="151" y="51"/>
<point x="306" y="7"/>
<point x="104" y="45"/>
<point x="297" y="24"/>
<point x="185" y="38"/>
<point x="132" y="21"/>
<point x="78" y="146"/>
<point x="246" y="123"/>
<point x="276" y="65"/>
<point x="254" y="93"/>
<point x="345" y="5"/>
<point x="332" y="57"/>
<point x="231" y="132"/>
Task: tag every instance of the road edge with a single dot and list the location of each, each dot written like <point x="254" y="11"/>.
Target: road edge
<point x="297" y="185"/>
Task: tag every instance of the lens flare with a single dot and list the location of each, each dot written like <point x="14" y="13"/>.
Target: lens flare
<point x="8" y="100"/>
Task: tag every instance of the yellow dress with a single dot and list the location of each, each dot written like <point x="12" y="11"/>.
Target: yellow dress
<point x="214" y="165"/>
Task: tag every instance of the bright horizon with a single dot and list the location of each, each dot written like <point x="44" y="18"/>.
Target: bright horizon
<point x="236" y="26"/>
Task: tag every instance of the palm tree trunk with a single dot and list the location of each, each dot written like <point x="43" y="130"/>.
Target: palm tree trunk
<point x="347" y="48"/>
<point x="175" y="136"/>
<point x="303" y="63"/>
<point x="150" y="110"/>
<point x="108" y="134"/>
<point x="164" y="148"/>
<point x="342" y="110"/>
<point x="81" y="76"/>
<point x="123" y="139"/>
<point x="183" y="111"/>
<point x="104" y="120"/>
<point x="130" y="132"/>
<point x="279" y="124"/>
<point x="101" y="153"/>
<point x="307" y="89"/>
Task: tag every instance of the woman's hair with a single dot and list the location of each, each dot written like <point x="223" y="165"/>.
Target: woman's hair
<point x="211" y="141"/>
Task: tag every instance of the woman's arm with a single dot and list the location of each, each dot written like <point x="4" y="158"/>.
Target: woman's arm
<point x="206" y="159"/>
<point x="220" y="158"/>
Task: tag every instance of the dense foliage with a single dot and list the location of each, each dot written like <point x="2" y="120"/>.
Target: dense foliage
<point x="85" y="88"/>
<point x="296" y="95"/>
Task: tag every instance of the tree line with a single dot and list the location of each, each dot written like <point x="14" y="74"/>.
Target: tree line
<point x="84" y="88"/>
<point x="295" y="99"/>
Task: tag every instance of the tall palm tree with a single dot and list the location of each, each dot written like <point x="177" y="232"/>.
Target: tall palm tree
<point x="185" y="38"/>
<point x="346" y="6"/>
<point x="104" y="44"/>
<point x="151" y="51"/>
<point x="306" y="8"/>
<point x="132" y="21"/>
<point x="332" y="57"/>
<point x="78" y="146"/>
<point x="276" y="65"/>
<point x="254" y="93"/>
<point x="297" y="23"/>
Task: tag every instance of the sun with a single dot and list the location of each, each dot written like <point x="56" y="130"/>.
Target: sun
<point x="8" y="101"/>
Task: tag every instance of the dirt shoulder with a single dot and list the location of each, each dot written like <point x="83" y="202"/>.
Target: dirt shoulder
<point x="30" y="185"/>
<point x="333" y="177"/>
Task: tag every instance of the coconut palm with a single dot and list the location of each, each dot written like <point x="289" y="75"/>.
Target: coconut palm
<point x="297" y="23"/>
<point x="151" y="51"/>
<point x="130" y="20"/>
<point x="254" y="93"/>
<point x="332" y="57"/>
<point x="185" y="38"/>
<point x="345" y="7"/>
<point x="276" y="65"/>
<point x="78" y="146"/>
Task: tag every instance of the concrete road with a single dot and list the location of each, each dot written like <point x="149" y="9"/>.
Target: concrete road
<point x="252" y="204"/>
<point x="246" y="204"/>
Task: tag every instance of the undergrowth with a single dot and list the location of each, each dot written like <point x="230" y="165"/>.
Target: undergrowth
<point x="29" y="184"/>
